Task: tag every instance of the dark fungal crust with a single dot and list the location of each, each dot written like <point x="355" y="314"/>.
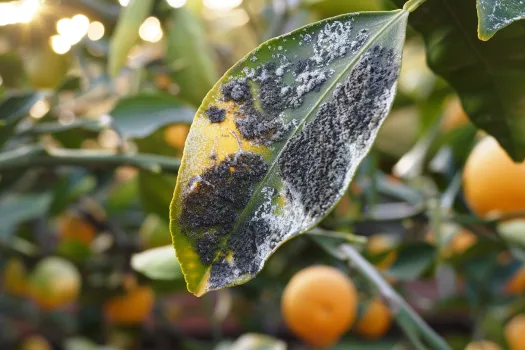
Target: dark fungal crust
<point x="211" y="202"/>
<point x="315" y="163"/>
<point x="265" y="122"/>
<point x="215" y="114"/>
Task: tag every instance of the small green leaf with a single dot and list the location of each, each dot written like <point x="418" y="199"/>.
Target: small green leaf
<point x="494" y="15"/>
<point x="489" y="77"/>
<point x="276" y="142"/>
<point x="12" y="110"/>
<point x="513" y="232"/>
<point x="15" y="210"/>
<point x="413" y="261"/>
<point x="190" y="57"/>
<point x="127" y="33"/>
<point x="157" y="263"/>
<point x="141" y="115"/>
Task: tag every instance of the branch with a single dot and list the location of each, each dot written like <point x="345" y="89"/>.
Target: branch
<point x="405" y="315"/>
<point x="38" y="156"/>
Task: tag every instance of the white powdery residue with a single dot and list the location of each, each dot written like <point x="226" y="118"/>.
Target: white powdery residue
<point x="306" y="39"/>
<point x="279" y="71"/>
<point x="307" y="81"/>
<point x="333" y="41"/>
<point x="249" y="72"/>
<point x="280" y="48"/>
<point x="253" y="59"/>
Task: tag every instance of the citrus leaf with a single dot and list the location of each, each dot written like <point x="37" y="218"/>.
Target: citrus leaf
<point x="189" y="56"/>
<point x="141" y="115"/>
<point x="157" y="263"/>
<point x="497" y="14"/>
<point x="126" y="33"/>
<point x="488" y="76"/>
<point x="12" y="110"/>
<point x="276" y="142"/>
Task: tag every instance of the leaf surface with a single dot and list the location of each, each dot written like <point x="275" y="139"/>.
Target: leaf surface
<point x="157" y="263"/>
<point x="277" y="140"/>
<point x="488" y="76"/>
<point x="494" y="15"/>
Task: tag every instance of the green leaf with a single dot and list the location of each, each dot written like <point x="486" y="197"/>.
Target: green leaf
<point x="14" y="210"/>
<point x="189" y="55"/>
<point x="497" y="14"/>
<point x="127" y="33"/>
<point x="157" y="263"/>
<point x="12" y="110"/>
<point x="276" y="142"/>
<point x="413" y="261"/>
<point x="141" y="115"/>
<point x="154" y="194"/>
<point x="488" y="76"/>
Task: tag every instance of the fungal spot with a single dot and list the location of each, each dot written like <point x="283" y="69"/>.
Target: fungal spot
<point x="210" y="210"/>
<point x="215" y="114"/>
<point x="317" y="163"/>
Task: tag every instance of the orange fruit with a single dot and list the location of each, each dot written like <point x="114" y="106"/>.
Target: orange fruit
<point x="15" y="278"/>
<point x="483" y="345"/>
<point x="131" y="308"/>
<point x="72" y="227"/>
<point x="175" y="135"/>
<point x="381" y="243"/>
<point x="516" y="285"/>
<point x="36" y="342"/>
<point x="454" y="115"/>
<point x="492" y="182"/>
<point x="54" y="283"/>
<point x="319" y="304"/>
<point x="375" y="321"/>
<point x="515" y="331"/>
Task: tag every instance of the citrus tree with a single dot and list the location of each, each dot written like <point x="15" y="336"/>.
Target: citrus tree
<point x="354" y="169"/>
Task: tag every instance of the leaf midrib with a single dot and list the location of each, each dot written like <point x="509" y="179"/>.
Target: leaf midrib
<point x="351" y="64"/>
<point x="484" y="62"/>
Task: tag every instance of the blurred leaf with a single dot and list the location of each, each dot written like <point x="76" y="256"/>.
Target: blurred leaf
<point x="156" y="193"/>
<point x="12" y="110"/>
<point x="142" y="115"/>
<point x="330" y="8"/>
<point x="488" y="76"/>
<point x="497" y="14"/>
<point x="513" y="232"/>
<point x="74" y="250"/>
<point x="264" y="160"/>
<point x="157" y="263"/>
<point x="413" y="260"/>
<point x="252" y="341"/>
<point x="69" y="188"/>
<point x="126" y="33"/>
<point x="358" y="344"/>
<point x="17" y="209"/>
<point x="190" y="57"/>
<point x="11" y="69"/>
<point x="154" y="232"/>
<point x="122" y="196"/>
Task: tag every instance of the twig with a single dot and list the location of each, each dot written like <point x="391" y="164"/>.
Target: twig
<point x="38" y="156"/>
<point x="405" y="315"/>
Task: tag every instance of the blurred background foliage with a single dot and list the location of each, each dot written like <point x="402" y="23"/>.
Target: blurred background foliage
<point x="94" y="111"/>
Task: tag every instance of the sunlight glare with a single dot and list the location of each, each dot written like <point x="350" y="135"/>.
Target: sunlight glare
<point x="39" y="109"/>
<point x="18" y="11"/>
<point x="222" y="5"/>
<point x="96" y="31"/>
<point x="59" y="44"/>
<point x="151" y="30"/>
<point x="124" y="3"/>
<point x="177" y="3"/>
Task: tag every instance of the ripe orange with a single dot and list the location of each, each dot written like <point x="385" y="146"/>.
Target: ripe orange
<point x="375" y="321"/>
<point x="483" y="345"/>
<point x="175" y="135"/>
<point x="72" y="227"/>
<point x="516" y="285"/>
<point x="454" y="115"/>
<point x="15" y="277"/>
<point x="381" y="243"/>
<point x="492" y="182"/>
<point x="54" y="283"/>
<point x="131" y="308"/>
<point x="319" y="304"/>
<point x="514" y="333"/>
<point x="36" y="342"/>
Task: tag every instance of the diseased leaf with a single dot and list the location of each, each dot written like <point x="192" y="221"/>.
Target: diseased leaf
<point x="142" y="115"/>
<point x="494" y="15"/>
<point x="488" y="76"/>
<point x="190" y="57"/>
<point x="276" y="142"/>
<point x="157" y="263"/>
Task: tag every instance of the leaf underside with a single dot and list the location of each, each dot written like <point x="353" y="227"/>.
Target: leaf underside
<point x="277" y="140"/>
<point x="497" y="14"/>
<point x="489" y="77"/>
